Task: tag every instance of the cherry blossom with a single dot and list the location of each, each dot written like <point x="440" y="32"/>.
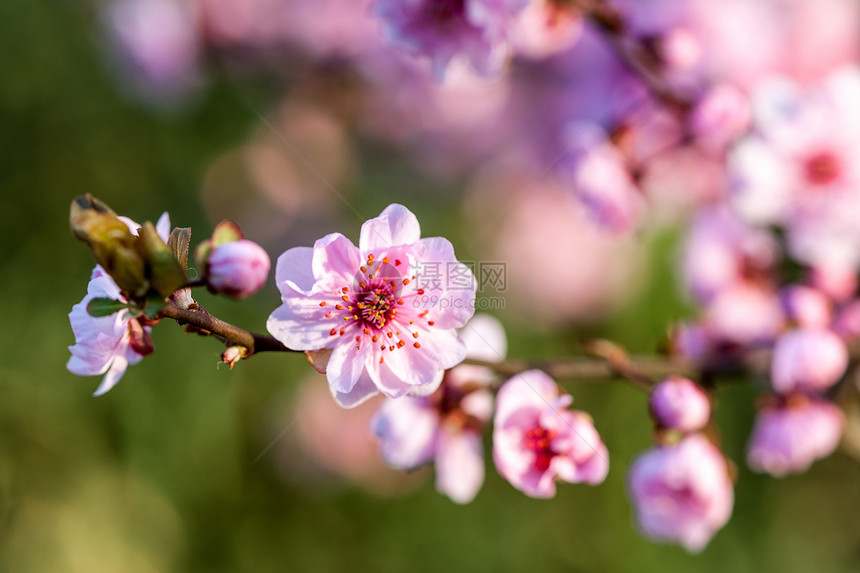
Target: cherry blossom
<point x="390" y="307"/>
<point x="537" y="440"/>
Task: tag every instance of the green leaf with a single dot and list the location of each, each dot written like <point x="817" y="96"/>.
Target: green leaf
<point x="154" y="305"/>
<point x="180" y="243"/>
<point x="99" y="307"/>
<point x="226" y="232"/>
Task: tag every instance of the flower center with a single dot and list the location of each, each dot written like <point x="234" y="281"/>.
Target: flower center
<point x="539" y="441"/>
<point x="823" y="168"/>
<point x="375" y="307"/>
<point x="444" y="11"/>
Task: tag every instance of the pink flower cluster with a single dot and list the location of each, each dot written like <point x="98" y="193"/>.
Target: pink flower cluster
<point x="681" y="489"/>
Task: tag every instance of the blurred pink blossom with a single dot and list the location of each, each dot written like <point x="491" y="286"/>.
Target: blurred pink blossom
<point x="720" y="116"/>
<point x="806" y="306"/>
<point x="680" y="404"/>
<point x="444" y="29"/>
<point x="537" y="440"/>
<point x="744" y="314"/>
<point x="447" y="426"/>
<point x="721" y="251"/>
<point x="682" y="493"/>
<point x="373" y="308"/>
<point x="808" y="359"/>
<point x="544" y="28"/>
<point x="787" y="439"/>
<point x="599" y="178"/>
<point x="797" y="169"/>
<point x="158" y="45"/>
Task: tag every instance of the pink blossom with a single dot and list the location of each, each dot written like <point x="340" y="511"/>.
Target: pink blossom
<point x="806" y="306"/>
<point x="847" y="321"/>
<point x="445" y="29"/>
<point x="682" y="493"/>
<point x="788" y="438"/>
<point x="108" y="344"/>
<point x="158" y="43"/>
<point x="721" y="251"/>
<point x="238" y="268"/>
<point x="599" y="179"/>
<point x="720" y="116"/>
<point x="797" y="168"/>
<point x="680" y="404"/>
<point x="837" y="281"/>
<point x="382" y="307"/>
<point x="810" y="359"/>
<point x="545" y="28"/>
<point x="446" y="426"/>
<point x="744" y="314"/>
<point x="537" y="440"/>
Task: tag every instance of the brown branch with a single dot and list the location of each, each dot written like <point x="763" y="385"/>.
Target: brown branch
<point x="231" y="335"/>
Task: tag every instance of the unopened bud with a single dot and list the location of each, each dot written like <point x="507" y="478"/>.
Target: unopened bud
<point x="237" y="269"/>
<point x="679" y="404"/>
<point x="233" y="354"/>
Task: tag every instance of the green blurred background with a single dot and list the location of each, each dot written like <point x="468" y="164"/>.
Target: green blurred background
<point x="165" y="472"/>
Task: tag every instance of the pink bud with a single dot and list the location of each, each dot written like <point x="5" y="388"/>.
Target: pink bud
<point x="682" y="493"/>
<point x="679" y="404"/>
<point x="847" y="321"/>
<point x="788" y="439"/>
<point x="238" y="268"/>
<point x="806" y="306"/>
<point x="721" y="116"/>
<point x="807" y="359"/>
<point x="681" y="49"/>
<point x="839" y="282"/>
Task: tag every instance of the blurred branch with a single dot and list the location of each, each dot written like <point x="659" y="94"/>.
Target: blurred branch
<point x="610" y="362"/>
<point x="633" y="53"/>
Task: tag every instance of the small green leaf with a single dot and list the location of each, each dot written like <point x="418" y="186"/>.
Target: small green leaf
<point x="154" y="305"/>
<point x="99" y="307"/>
<point x="226" y="232"/>
<point x="180" y="242"/>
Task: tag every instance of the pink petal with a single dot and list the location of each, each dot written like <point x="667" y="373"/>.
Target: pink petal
<point x="396" y="225"/>
<point x="295" y="267"/>
<point x="406" y="428"/>
<point x="117" y="369"/>
<point x="363" y="390"/>
<point x="345" y="367"/>
<point x="335" y="257"/>
<point x="299" y="324"/>
<point x="459" y="464"/>
<point x="485" y="338"/>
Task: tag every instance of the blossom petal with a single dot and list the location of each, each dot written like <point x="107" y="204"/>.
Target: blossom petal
<point x="336" y="257"/>
<point x="345" y="367"/>
<point x="459" y="464"/>
<point x="407" y="429"/>
<point x="395" y="226"/>
<point x="295" y="267"/>
<point x="117" y="369"/>
<point x="363" y="390"/>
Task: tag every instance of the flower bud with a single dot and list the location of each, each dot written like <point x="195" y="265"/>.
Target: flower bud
<point x="679" y="404"/>
<point x="237" y="269"/>
<point x="808" y="359"/>
<point x="789" y="438"/>
<point x="682" y="493"/>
